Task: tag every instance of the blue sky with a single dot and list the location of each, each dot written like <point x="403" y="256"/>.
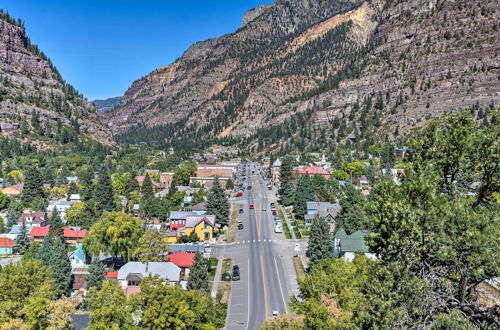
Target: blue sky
<point x="101" y="47"/>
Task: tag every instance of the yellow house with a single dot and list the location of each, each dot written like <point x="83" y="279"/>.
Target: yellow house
<point x="201" y="225"/>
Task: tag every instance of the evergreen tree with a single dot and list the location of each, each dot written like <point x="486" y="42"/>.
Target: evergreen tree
<point x="303" y="194"/>
<point x="3" y="228"/>
<point x="48" y="176"/>
<point x="86" y="178"/>
<point x="61" y="265"/>
<point x="320" y="242"/>
<point x="72" y="189"/>
<point x="387" y="158"/>
<point x="198" y="276"/>
<point x="134" y="185"/>
<point x="13" y="213"/>
<point x="103" y="192"/>
<point x="96" y="274"/>
<point x="22" y="241"/>
<point x="286" y="180"/>
<point x="32" y="185"/>
<point x="62" y="175"/>
<point x="353" y="216"/>
<point x="56" y="228"/>
<point x="217" y="203"/>
<point x="147" y="187"/>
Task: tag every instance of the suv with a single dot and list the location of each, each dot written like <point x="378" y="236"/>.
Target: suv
<point x="241" y="211"/>
<point x="236" y="273"/>
<point x="240" y="225"/>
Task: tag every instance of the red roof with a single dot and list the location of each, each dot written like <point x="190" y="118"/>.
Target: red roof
<point x="313" y="170"/>
<point x="182" y="259"/>
<point x="68" y="232"/>
<point x="111" y="275"/>
<point x="6" y="242"/>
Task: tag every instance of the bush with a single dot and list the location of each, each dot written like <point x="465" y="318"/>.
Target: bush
<point x="226" y="277"/>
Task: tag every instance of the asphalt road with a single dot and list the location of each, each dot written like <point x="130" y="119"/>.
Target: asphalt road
<point x="263" y="286"/>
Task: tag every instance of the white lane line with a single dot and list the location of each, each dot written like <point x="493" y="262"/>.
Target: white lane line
<point x="237" y="242"/>
<point x="281" y="289"/>
<point x="259" y="240"/>
<point x="254" y="241"/>
<point x="248" y="293"/>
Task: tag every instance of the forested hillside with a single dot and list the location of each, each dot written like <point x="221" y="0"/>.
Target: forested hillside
<point x="314" y="74"/>
<point x="36" y="105"/>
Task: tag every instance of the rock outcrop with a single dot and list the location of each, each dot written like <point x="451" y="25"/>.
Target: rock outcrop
<point x="32" y="90"/>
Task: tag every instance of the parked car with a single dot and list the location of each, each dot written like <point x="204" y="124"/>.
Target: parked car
<point x="239" y="194"/>
<point x="236" y="273"/>
<point x="278" y="229"/>
<point x="251" y="207"/>
<point x="241" y="211"/>
<point x="249" y="187"/>
<point x="240" y="225"/>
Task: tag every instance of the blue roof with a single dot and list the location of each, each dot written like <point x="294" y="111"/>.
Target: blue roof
<point x="15" y="229"/>
<point x="80" y="254"/>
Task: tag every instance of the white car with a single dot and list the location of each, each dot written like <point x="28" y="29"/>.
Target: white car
<point x="278" y="229"/>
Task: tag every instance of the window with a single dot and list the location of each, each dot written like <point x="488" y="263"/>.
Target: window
<point x="134" y="283"/>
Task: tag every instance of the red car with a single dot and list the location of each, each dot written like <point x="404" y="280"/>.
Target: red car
<point x="239" y="194"/>
<point x="251" y="206"/>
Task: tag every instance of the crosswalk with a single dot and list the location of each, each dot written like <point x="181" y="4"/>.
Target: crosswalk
<point x="255" y="241"/>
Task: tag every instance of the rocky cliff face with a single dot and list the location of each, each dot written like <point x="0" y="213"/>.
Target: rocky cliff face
<point x="33" y="92"/>
<point x="318" y="73"/>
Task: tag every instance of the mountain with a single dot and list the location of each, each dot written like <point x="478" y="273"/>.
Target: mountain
<point x="315" y="73"/>
<point x="106" y="105"/>
<point x="36" y="104"/>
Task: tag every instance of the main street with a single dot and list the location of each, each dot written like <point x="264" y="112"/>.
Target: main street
<point x="268" y="277"/>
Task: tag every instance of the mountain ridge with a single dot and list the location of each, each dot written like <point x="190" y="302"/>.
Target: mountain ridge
<point x="355" y="70"/>
<point x="35" y="98"/>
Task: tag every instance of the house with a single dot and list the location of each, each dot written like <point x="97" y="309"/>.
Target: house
<point x="61" y="205"/>
<point x="312" y="170"/>
<point x="166" y="179"/>
<point x="72" y="235"/>
<point x="6" y="246"/>
<point x="73" y="179"/>
<point x="132" y="273"/>
<point x="77" y="258"/>
<point x="135" y="209"/>
<point x="111" y="276"/>
<point x="183" y="260"/>
<point x="363" y="180"/>
<point x="78" y="275"/>
<point x="177" y="219"/>
<point x="348" y="246"/>
<point x="75" y="198"/>
<point x="33" y="219"/>
<point x="201" y="225"/>
<point x="199" y="209"/>
<point x="14" y="190"/>
<point x="207" y="181"/>
<point x="321" y="209"/>
<point x="190" y="247"/>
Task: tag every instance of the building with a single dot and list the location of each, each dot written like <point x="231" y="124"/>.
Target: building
<point x="78" y="276"/>
<point x="33" y="219"/>
<point x="321" y="209"/>
<point x="207" y="181"/>
<point x="77" y="258"/>
<point x="6" y="246"/>
<point x="166" y="179"/>
<point x="13" y="191"/>
<point x="71" y="179"/>
<point x="311" y="171"/>
<point x="177" y="219"/>
<point x="348" y="246"/>
<point x="183" y="260"/>
<point x="202" y="225"/>
<point x="222" y="171"/>
<point x="72" y="235"/>
<point x="275" y="170"/>
<point x="190" y="247"/>
<point x="199" y="209"/>
<point x="61" y="205"/>
<point x="133" y="273"/>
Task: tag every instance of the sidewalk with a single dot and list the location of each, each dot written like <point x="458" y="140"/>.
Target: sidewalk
<point x="218" y="273"/>
<point x="285" y="215"/>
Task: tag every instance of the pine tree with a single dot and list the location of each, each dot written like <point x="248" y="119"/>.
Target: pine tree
<point x="48" y="176"/>
<point x="96" y="274"/>
<point x="56" y="225"/>
<point x="32" y="185"/>
<point x="286" y="180"/>
<point x="3" y="228"/>
<point x="61" y="265"/>
<point x="198" y="276"/>
<point x="103" y="192"/>
<point x="147" y="187"/>
<point x="217" y="203"/>
<point x="320" y="243"/>
<point x="303" y="194"/>
<point x="23" y="241"/>
<point x="13" y="213"/>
